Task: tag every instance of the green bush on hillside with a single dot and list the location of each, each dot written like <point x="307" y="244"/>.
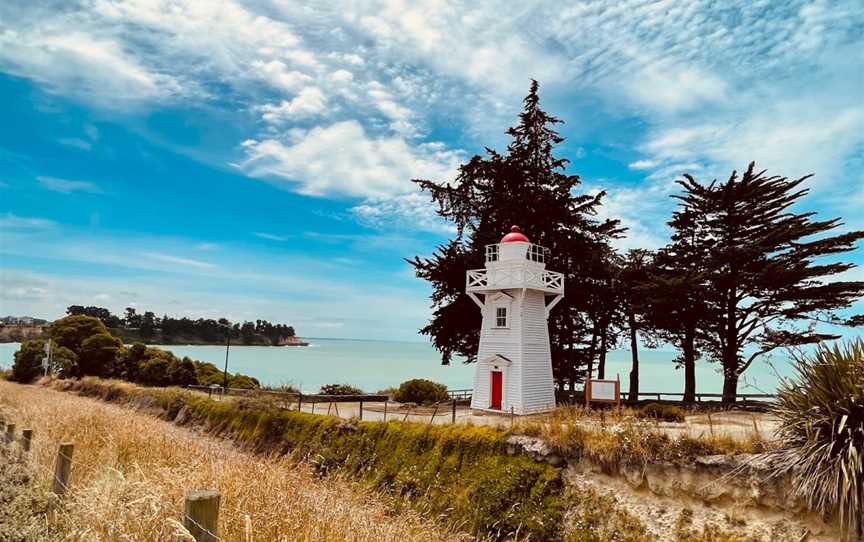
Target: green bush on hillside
<point x="420" y="391"/>
<point x="340" y="389"/>
<point x="83" y="347"/>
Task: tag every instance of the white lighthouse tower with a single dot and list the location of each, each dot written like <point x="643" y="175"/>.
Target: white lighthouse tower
<point x="514" y="363"/>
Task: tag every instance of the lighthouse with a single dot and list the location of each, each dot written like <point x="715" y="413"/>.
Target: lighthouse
<point x="515" y="293"/>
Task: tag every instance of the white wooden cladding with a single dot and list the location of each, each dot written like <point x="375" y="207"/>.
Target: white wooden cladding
<point x="520" y="352"/>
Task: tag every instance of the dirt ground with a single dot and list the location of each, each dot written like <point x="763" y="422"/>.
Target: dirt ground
<point x="739" y="424"/>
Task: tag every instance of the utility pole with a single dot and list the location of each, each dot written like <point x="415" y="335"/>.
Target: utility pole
<point x="46" y="360"/>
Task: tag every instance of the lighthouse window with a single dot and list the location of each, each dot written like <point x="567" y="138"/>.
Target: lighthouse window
<point x="500" y="316"/>
<point x="536" y="253"/>
<point x="491" y="253"/>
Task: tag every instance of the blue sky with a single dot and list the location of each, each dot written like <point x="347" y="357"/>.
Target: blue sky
<point x="253" y="159"/>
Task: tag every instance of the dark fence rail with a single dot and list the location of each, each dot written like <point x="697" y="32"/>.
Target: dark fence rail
<point x="744" y="397"/>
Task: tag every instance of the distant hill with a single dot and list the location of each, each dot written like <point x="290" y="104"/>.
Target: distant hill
<point x="151" y="329"/>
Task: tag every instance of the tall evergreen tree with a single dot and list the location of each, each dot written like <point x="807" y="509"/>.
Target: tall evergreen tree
<point x="633" y="285"/>
<point x="527" y="186"/>
<point x="764" y="270"/>
<point x="675" y="297"/>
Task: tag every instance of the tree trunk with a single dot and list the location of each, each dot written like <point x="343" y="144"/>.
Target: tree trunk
<point x="689" y="353"/>
<point x="730" y="386"/>
<point x="730" y="352"/>
<point x="591" y="351"/>
<point x="601" y="364"/>
<point x="634" y="354"/>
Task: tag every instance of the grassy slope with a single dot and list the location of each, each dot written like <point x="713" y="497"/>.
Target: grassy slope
<point x="462" y="473"/>
<point x="459" y="471"/>
<point x="131" y="472"/>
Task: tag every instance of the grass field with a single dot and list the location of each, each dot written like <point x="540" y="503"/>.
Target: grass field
<point x="131" y="472"/>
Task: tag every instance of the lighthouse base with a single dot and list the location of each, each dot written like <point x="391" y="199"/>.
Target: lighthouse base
<point x="502" y="387"/>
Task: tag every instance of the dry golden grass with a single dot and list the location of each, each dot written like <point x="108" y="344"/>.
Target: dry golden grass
<point x="620" y="436"/>
<point x="131" y="472"/>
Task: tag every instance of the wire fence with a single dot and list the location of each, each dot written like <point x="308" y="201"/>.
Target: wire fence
<point x="201" y="531"/>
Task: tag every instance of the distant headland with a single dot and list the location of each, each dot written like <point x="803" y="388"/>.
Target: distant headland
<point x="148" y="328"/>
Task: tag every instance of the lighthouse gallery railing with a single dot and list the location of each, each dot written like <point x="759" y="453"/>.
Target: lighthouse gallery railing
<point x="515" y="277"/>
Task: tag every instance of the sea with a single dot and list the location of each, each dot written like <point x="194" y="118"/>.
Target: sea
<point x="375" y="365"/>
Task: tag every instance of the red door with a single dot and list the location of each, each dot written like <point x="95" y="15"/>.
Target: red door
<point x="496" y="390"/>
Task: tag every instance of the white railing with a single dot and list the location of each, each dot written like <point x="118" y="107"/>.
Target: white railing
<point x="533" y="253"/>
<point x="514" y="277"/>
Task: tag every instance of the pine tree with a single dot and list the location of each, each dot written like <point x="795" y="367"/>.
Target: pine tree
<point x="528" y="187"/>
<point x="634" y="287"/>
<point x="764" y="270"/>
<point x="675" y="296"/>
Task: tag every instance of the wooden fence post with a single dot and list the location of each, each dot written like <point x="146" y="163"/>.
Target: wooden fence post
<point x="434" y="412"/>
<point x="26" y="439"/>
<point x="361" y="409"/>
<point x="63" y="468"/>
<point x="454" y="411"/>
<point x="385" y="411"/>
<point x="10" y="433"/>
<point x="201" y="515"/>
<point x="299" y="401"/>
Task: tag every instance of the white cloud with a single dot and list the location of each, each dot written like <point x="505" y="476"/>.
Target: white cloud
<point x="343" y="160"/>
<point x="643" y="164"/>
<point x="412" y="211"/>
<point x="76" y="142"/>
<point x="94" y="69"/>
<point x="269" y="236"/>
<point x="280" y="76"/>
<point x="168" y="258"/>
<point x="66" y="186"/>
<point x="15" y="223"/>
<point x="308" y="103"/>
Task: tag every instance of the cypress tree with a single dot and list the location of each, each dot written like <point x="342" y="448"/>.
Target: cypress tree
<point x="763" y="276"/>
<point x="528" y="187"/>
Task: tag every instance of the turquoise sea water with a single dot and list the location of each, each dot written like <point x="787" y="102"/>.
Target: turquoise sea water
<point x="374" y="365"/>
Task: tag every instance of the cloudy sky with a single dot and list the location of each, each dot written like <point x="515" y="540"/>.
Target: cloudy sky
<point x="253" y="158"/>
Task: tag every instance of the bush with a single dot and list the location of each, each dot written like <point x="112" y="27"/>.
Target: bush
<point x="821" y="432"/>
<point x="182" y="372"/>
<point x="28" y="361"/>
<point x="669" y="413"/>
<point x="243" y="381"/>
<point x="421" y="391"/>
<point x="340" y="389"/>
<point x="389" y="392"/>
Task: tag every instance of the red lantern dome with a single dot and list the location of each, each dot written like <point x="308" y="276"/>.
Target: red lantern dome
<point x="515" y="236"/>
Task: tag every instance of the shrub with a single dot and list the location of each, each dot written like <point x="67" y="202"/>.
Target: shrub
<point x="389" y="392"/>
<point x="28" y="361"/>
<point x="420" y="390"/>
<point x="64" y="362"/>
<point x="98" y="355"/>
<point x="340" y="389"/>
<point x="181" y="372"/>
<point x="669" y="413"/>
<point x="154" y="371"/>
<point x="821" y="432"/>
<point x="243" y="381"/>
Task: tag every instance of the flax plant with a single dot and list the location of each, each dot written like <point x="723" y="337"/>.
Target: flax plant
<point x="821" y="433"/>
